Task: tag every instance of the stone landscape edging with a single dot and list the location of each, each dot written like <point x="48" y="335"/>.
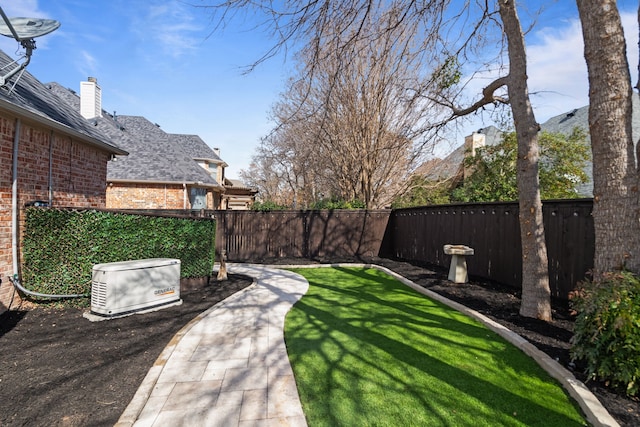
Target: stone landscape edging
<point x="596" y="414"/>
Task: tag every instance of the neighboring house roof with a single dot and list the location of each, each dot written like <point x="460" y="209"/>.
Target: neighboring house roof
<point x="238" y="185"/>
<point x="450" y="166"/>
<point x="566" y="122"/>
<point x="154" y="155"/>
<point x="31" y="99"/>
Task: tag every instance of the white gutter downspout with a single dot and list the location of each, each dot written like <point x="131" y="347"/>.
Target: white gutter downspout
<point x="14" y="199"/>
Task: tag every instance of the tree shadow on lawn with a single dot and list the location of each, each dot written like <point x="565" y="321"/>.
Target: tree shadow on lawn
<point x="394" y="344"/>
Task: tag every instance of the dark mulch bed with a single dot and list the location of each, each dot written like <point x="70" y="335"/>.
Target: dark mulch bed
<point x="59" y="369"/>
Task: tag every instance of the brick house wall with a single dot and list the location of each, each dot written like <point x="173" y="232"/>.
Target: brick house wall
<point x="145" y="196"/>
<point x="122" y="195"/>
<point x="76" y="172"/>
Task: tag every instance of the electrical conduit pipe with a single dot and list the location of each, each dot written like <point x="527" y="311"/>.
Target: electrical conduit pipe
<point x="15" y="280"/>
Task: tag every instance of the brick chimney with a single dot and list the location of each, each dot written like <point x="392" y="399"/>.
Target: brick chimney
<point x="90" y="99"/>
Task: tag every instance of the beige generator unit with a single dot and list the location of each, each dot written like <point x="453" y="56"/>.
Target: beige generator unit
<point x="121" y="288"/>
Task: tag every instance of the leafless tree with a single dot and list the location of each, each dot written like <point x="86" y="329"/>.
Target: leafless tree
<point x="350" y="120"/>
<point x="536" y="292"/>
<point x="535" y="266"/>
<point x="266" y="175"/>
<point x="335" y="33"/>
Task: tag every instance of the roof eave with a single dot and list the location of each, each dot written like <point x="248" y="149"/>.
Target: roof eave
<point x="220" y="163"/>
<point x="212" y="160"/>
<point x="22" y="112"/>
<point x="150" y="181"/>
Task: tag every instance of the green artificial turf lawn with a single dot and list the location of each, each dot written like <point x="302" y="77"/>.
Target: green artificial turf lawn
<point x="367" y="350"/>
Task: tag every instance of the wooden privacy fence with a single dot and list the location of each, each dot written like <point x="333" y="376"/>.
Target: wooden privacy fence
<point x="493" y="231"/>
<point x="253" y="236"/>
<point x="418" y="235"/>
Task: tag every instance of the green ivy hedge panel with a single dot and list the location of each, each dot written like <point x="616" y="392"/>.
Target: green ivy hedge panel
<point x="61" y="246"/>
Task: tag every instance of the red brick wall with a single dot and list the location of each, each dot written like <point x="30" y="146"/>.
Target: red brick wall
<point x="78" y="178"/>
<point x="152" y="196"/>
<point x="145" y="196"/>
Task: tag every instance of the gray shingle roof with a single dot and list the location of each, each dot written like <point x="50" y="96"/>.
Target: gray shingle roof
<point x="31" y="97"/>
<point x="154" y="155"/>
<point x="563" y="123"/>
<point x="196" y="147"/>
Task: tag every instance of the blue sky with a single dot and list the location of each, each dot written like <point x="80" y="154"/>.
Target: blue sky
<point x="158" y="59"/>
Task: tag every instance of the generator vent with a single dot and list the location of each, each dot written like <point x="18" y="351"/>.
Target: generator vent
<point x="98" y="294"/>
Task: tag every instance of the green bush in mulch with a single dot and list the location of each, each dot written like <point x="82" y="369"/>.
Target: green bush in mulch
<point x="607" y="329"/>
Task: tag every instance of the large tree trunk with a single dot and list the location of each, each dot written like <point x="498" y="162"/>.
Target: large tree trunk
<point x="535" y="266"/>
<point x="615" y="187"/>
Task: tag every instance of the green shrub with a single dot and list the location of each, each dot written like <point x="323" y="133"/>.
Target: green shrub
<point x="336" y="203"/>
<point x="267" y="206"/>
<point x="607" y="330"/>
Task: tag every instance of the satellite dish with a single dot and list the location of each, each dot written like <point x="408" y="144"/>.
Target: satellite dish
<point x="24" y="31"/>
<point x="28" y="28"/>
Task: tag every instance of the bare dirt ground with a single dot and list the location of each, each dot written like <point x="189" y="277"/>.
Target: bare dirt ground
<point x="59" y="369"/>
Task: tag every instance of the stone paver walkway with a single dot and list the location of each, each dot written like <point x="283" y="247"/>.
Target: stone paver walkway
<point x="230" y="368"/>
